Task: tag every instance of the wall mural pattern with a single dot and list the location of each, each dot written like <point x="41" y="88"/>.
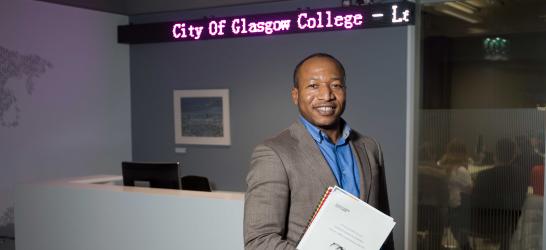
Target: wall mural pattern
<point x="15" y="65"/>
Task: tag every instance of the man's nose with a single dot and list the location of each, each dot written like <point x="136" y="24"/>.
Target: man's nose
<point x="325" y="93"/>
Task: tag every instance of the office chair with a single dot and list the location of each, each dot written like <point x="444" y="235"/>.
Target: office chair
<point x="195" y="183"/>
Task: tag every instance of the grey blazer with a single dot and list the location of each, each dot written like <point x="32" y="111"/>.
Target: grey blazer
<point x="287" y="178"/>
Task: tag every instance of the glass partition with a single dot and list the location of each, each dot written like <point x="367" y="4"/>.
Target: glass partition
<point x="480" y="162"/>
<point x="480" y="178"/>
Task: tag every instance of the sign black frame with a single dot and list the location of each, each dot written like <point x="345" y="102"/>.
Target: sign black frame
<point x="163" y="31"/>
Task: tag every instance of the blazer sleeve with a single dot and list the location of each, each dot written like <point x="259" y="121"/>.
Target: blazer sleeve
<point x="383" y="195"/>
<point x="266" y="202"/>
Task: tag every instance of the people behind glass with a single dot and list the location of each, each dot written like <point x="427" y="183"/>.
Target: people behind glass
<point x="506" y="182"/>
<point x="511" y="169"/>
<point x="489" y="201"/>
<point x="455" y="162"/>
<point x="499" y="194"/>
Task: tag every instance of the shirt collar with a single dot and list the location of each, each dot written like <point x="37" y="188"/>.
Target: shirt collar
<point x="318" y="135"/>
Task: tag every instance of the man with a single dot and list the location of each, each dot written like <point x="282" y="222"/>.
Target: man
<point x="290" y="172"/>
<point x="498" y="196"/>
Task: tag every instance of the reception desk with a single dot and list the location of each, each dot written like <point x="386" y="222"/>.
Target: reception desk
<point x="97" y="213"/>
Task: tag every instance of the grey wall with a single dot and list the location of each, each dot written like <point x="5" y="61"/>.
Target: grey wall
<point x="76" y="119"/>
<point x="514" y="83"/>
<point x="258" y="71"/>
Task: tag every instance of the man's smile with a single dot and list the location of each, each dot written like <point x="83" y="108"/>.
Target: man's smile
<point x="325" y="109"/>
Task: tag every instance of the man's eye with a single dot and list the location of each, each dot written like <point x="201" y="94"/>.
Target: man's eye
<point x="313" y="86"/>
<point x="337" y="86"/>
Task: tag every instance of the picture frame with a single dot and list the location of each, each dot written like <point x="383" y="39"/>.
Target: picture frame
<point x="202" y="117"/>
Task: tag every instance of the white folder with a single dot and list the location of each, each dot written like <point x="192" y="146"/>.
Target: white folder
<point x="344" y="222"/>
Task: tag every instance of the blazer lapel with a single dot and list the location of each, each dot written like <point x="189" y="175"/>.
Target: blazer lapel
<point x="312" y="157"/>
<point x="365" y="170"/>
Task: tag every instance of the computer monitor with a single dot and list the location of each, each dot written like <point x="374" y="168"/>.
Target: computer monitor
<point x="151" y="174"/>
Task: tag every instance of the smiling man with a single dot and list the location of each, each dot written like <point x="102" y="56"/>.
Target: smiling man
<point x="290" y="172"/>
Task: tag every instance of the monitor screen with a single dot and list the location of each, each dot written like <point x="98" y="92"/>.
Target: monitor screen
<point x="151" y="174"/>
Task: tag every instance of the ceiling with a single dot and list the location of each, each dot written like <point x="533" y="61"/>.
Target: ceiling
<point x="481" y="17"/>
<point x="136" y="7"/>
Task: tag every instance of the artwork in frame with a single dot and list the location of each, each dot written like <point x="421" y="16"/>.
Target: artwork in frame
<point x="202" y="117"/>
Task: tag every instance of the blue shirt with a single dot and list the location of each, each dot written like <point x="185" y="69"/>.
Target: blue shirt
<point x="339" y="156"/>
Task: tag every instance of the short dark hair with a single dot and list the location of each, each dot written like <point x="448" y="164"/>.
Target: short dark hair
<point x="323" y="55"/>
<point x="506" y="150"/>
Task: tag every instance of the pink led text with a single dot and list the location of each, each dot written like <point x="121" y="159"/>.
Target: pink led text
<point x="217" y="27"/>
<point x="321" y="20"/>
<point x="240" y="26"/>
<point x="396" y="19"/>
<point x="181" y="31"/>
<point x="303" y="21"/>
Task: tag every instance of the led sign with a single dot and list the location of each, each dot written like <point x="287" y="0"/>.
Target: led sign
<point x="334" y="19"/>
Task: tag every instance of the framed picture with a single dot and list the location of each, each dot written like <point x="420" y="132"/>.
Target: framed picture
<point x="202" y="117"/>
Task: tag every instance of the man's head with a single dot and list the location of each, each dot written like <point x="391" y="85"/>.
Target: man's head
<point x="319" y="90"/>
<point x="505" y="151"/>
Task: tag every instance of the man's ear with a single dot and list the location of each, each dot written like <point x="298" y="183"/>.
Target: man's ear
<point x="295" y="94"/>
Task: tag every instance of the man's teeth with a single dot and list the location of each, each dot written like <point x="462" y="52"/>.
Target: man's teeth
<point x="325" y="109"/>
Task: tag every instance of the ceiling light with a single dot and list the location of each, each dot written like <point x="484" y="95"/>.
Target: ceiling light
<point x="462" y="7"/>
<point x="458" y="14"/>
<point x="476" y="30"/>
<point x="476" y="3"/>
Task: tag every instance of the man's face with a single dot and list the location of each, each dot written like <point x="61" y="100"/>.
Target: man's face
<point x="320" y="94"/>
